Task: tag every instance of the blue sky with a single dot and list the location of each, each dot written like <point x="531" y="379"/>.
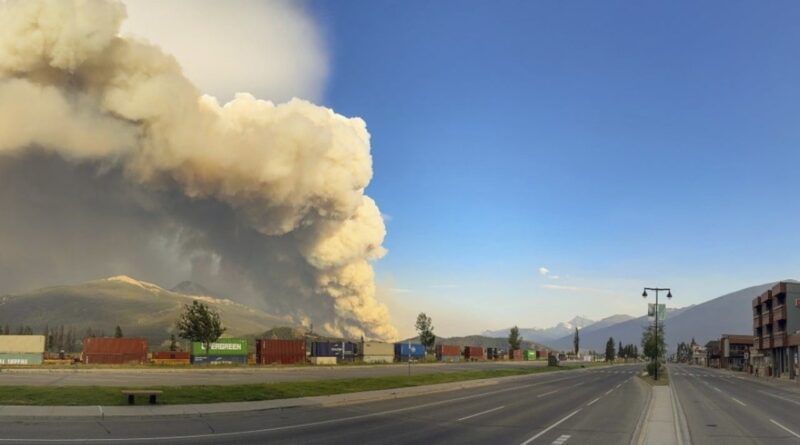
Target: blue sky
<point x="617" y="144"/>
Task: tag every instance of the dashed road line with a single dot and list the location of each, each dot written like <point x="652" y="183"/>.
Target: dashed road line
<point x="546" y="394"/>
<point x="561" y="439"/>
<point x="738" y="401"/>
<point x="592" y="402"/>
<point x="481" y="413"/>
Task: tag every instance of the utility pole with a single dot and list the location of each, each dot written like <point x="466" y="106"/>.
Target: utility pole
<point x="655" y="334"/>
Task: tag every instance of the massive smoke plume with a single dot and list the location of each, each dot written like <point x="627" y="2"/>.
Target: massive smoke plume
<point x="111" y="161"/>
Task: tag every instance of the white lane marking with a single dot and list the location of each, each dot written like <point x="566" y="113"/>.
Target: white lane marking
<point x="609" y="391"/>
<point x="561" y="439"/>
<point x="480" y="413"/>
<point x="578" y="384"/>
<point x="779" y="397"/>
<point x="617" y="386"/>
<point x="738" y="401"/>
<point x="592" y="402"/>
<point x="786" y="429"/>
<point x="716" y="389"/>
<point x="544" y="431"/>
<point x="546" y="394"/>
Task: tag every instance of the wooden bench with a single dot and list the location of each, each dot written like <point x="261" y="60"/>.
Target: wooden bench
<point x="132" y="393"/>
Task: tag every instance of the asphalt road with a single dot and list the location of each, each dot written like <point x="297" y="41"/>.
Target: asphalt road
<point x="721" y="407"/>
<point x="42" y="376"/>
<point x="589" y="406"/>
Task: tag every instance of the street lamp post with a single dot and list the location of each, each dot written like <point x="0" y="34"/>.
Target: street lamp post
<point x="655" y="334"/>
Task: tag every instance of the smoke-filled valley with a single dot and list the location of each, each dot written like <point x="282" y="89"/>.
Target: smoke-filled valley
<point x="112" y="162"/>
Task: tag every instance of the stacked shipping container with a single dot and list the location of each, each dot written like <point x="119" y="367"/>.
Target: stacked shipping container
<point x="530" y="355"/>
<point x="224" y="351"/>
<point x="405" y="352"/>
<point x="285" y="352"/>
<point x="116" y="351"/>
<point x="448" y="353"/>
<point x="473" y="353"/>
<point x="377" y="352"/>
<point x="21" y="349"/>
<point x="342" y="351"/>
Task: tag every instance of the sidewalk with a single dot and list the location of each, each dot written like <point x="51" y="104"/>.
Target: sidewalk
<point x="659" y="426"/>
<point x="664" y="422"/>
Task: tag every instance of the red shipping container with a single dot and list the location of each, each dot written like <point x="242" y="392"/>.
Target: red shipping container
<point x="286" y="352"/>
<point x="473" y="353"/>
<point x="447" y="350"/>
<point x="516" y="355"/>
<point x="171" y="355"/>
<point x="109" y="350"/>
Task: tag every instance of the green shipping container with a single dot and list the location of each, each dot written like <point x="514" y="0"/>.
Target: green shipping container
<point x="223" y="346"/>
<point x="20" y="359"/>
<point x="530" y="355"/>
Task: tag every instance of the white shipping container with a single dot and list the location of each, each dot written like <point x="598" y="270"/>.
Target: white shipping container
<point x="378" y="358"/>
<point x="20" y="344"/>
<point x="378" y="348"/>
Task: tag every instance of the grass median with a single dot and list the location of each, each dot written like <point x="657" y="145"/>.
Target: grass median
<point x="173" y="395"/>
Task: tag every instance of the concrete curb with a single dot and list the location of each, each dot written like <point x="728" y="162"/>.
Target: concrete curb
<point x="638" y="432"/>
<point x="102" y="412"/>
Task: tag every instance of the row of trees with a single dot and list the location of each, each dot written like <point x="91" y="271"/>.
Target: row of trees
<point x="629" y="350"/>
<point x="685" y="351"/>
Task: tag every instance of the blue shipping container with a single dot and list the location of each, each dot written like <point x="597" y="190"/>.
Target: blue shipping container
<point x="333" y="349"/>
<point x="219" y="359"/>
<point x="404" y="350"/>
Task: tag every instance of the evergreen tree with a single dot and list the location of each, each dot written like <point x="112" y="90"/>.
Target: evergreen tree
<point x="576" y="341"/>
<point x="610" y="353"/>
<point x="514" y="339"/>
<point x="424" y="326"/>
<point x="173" y="343"/>
<point x="118" y="332"/>
<point x="620" y="352"/>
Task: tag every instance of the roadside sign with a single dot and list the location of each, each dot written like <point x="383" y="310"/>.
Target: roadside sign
<point x="662" y="311"/>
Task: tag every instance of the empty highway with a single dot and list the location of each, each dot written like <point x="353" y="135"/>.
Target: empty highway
<point x="597" y="406"/>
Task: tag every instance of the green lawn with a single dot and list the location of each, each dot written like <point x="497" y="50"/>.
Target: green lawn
<point x="106" y="395"/>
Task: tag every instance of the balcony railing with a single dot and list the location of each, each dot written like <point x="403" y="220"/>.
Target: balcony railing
<point x="779" y="313"/>
<point x="766" y="318"/>
<point x="757" y="322"/>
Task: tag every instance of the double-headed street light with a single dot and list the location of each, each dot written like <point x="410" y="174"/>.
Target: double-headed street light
<point x="655" y="334"/>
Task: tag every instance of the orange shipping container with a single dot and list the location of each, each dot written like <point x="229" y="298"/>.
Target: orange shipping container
<point x="287" y="352"/>
<point x="473" y="353"/>
<point x="109" y="350"/>
<point x="447" y="350"/>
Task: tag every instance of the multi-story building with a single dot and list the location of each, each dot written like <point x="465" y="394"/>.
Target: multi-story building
<point x="776" y="330"/>
<point x="733" y="351"/>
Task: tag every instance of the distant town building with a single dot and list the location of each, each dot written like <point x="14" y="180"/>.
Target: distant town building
<point x="699" y="355"/>
<point x="776" y="331"/>
<point x="734" y="351"/>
